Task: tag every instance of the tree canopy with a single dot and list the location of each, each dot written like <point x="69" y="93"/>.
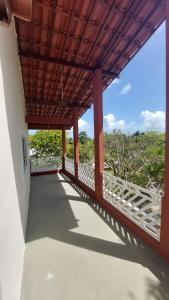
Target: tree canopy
<point x="137" y="157"/>
<point x="46" y="143"/>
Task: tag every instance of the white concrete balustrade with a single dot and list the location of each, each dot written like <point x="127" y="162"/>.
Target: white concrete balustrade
<point x="140" y="205"/>
<point x="69" y="165"/>
<point x="42" y="164"/>
<point x="86" y="175"/>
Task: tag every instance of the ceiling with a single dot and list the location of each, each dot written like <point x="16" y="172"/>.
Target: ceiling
<point x="67" y="40"/>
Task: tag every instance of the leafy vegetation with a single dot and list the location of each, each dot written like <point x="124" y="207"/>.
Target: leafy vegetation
<point x="137" y="157"/>
<point x="86" y="147"/>
<point x="46" y="143"/>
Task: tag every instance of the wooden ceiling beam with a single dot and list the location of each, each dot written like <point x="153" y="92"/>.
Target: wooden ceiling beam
<point x="57" y="104"/>
<point x="49" y="120"/>
<point x="48" y="127"/>
<point x="62" y="62"/>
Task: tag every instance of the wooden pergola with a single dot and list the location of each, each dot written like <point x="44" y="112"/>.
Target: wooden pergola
<point x="70" y="51"/>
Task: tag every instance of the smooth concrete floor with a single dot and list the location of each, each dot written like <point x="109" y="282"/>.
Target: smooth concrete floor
<point x="75" y="250"/>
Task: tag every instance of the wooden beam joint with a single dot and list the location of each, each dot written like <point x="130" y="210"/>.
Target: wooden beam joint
<point x="49" y="120"/>
<point x="48" y="127"/>
<point x="48" y="59"/>
<point x="56" y="104"/>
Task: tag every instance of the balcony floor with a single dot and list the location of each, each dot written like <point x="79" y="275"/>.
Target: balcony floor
<point x="75" y="250"/>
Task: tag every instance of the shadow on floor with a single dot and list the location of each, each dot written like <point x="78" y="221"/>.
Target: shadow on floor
<point x="51" y="215"/>
<point x="148" y="258"/>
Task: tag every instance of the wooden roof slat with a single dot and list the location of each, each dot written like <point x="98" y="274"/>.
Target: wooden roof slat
<point x="80" y="36"/>
<point x="54" y="103"/>
<point x="62" y="62"/>
<point x="48" y="126"/>
<point x="49" y="120"/>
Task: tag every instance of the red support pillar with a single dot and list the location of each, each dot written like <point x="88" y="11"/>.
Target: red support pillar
<point x="164" y="240"/>
<point x="98" y="133"/>
<point x="76" y="147"/>
<point x="63" y="148"/>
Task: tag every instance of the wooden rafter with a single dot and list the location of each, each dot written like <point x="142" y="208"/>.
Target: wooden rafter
<point x="48" y="126"/>
<point x="62" y="62"/>
<point x="57" y="104"/>
<point x="49" y="120"/>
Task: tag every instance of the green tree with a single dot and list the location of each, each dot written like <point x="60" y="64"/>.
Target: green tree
<point x="46" y="143"/>
<point x="87" y="151"/>
<point x="69" y="148"/>
<point x="83" y="138"/>
<point x="86" y="147"/>
<point x="138" y="158"/>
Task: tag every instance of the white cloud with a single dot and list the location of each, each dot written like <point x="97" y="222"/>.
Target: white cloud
<point x="153" y="120"/>
<point x="126" y="89"/>
<point x="150" y="121"/>
<point x="83" y="125"/>
<point x="70" y="133"/>
<point x="112" y="123"/>
<point x="116" y="81"/>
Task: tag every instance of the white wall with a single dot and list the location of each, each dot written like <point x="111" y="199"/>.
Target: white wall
<point x="14" y="182"/>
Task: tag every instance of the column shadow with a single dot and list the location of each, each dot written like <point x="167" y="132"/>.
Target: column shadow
<point x="51" y="215"/>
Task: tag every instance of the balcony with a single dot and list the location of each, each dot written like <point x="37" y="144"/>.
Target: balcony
<point x="140" y="205"/>
<point x="77" y="250"/>
<point x="63" y="79"/>
<point x="88" y="233"/>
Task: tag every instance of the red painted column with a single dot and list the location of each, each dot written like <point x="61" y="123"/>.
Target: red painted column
<point x="164" y="240"/>
<point x="76" y="147"/>
<point x="98" y="133"/>
<point x="63" y="148"/>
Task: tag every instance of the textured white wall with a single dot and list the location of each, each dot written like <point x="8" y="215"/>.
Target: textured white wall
<point x="14" y="182"/>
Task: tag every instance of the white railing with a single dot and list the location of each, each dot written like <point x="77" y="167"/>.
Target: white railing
<point x="140" y="205"/>
<point x="69" y="165"/>
<point x="43" y="164"/>
<point x="86" y="175"/>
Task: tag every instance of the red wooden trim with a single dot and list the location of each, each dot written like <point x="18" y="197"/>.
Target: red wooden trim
<point x="63" y="149"/>
<point x="98" y="132"/>
<point x="19" y="8"/>
<point x="49" y="120"/>
<point x="48" y="126"/>
<point x="62" y="62"/>
<point x="45" y="172"/>
<point x="84" y="187"/>
<point x="164" y="240"/>
<point x="35" y="102"/>
<point x="22" y="9"/>
<point x="76" y="146"/>
<point x="150" y="241"/>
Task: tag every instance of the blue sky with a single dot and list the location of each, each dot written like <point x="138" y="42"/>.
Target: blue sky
<point x="137" y="100"/>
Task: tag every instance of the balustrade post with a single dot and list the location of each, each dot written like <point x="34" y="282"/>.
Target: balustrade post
<point x="63" y="148"/>
<point x="164" y="238"/>
<point x="98" y="133"/>
<point x="76" y="147"/>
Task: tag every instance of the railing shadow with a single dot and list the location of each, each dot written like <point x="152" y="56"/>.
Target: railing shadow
<point x="141" y="253"/>
<point x="51" y="215"/>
